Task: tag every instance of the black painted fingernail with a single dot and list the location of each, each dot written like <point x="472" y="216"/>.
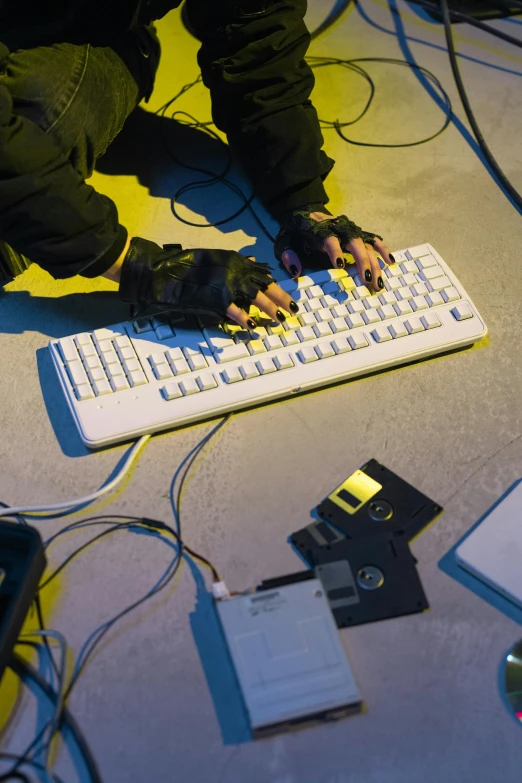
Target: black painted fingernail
<point x="251" y="324"/>
<point x="391" y="258"/>
<point x="294" y="307"/>
<point x="368" y="276"/>
<point x="379" y="282"/>
<point x="281" y="316"/>
<point x="340" y="262"/>
<point x="293" y="270"/>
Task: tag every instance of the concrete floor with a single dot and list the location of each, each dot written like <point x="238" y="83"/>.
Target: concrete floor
<point x="155" y="702"/>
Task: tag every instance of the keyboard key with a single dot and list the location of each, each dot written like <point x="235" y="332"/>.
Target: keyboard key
<point x="206" y="381"/>
<point x="356" y="306"/>
<point x="343" y="297"/>
<point x="414" y="325"/>
<point x="162" y="371"/>
<point x="248" y="370"/>
<point x="93" y="361"/>
<point x="434" y="299"/>
<point x="84" y="392"/>
<point x="341" y="345"/>
<point x="312" y="305"/>
<point x="409" y="266"/>
<point x="97" y="374"/>
<point x="315" y="292"/>
<point x="426" y="261"/>
<point x="87" y="350"/>
<point x="188" y="386"/>
<point x="305" y="333"/>
<point x="417" y="252"/>
<point x="179" y="366"/>
<point x="381" y="334"/>
<point x="231" y="374"/>
<point x="450" y="294"/>
<point x="324" y="314"/>
<point x="279" y="329"/>
<point x="124" y="353"/>
<point x="265" y="365"/>
<point x="307" y="354"/>
<point x="354" y="320"/>
<point x="322" y="329"/>
<point x="110" y="358"/>
<point x="307" y="319"/>
<point x="339" y="311"/>
<point x="197" y="361"/>
<point x="387" y="311"/>
<point x="216" y="338"/>
<point x="101" y="387"/>
<point x="419" y="289"/>
<point x="392" y="284"/>
<point x="338" y="325"/>
<point x="346" y="284"/>
<point x="387" y="297"/>
<point x="255" y="347"/>
<point x="373" y="302"/>
<point x="122" y="341"/>
<point x="283" y="361"/>
<point x="83" y="339"/>
<point x="131" y="365"/>
<point x="141" y="325"/>
<point x="418" y="303"/>
<point x="299" y="296"/>
<point x="304" y="282"/>
<point x="171" y="391"/>
<point x="324" y="350"/>
<point x="291" y="323"/>
<point x="77" y="373"/>
<point x="428" y="273"/>
<point x="371" y="316"/>
<point x="328" y="275"/>
<point x="461" y="312"/>
<point x="358" y="340"/>
<point x="402" y="308"/>
<point x="393" y="271"/>
<point x="164" y="332"/>
<point x="360" y="292"/>
<point x="397" y="329"/>
<point x="409" y="279"/>
<point x="173" y="354"/>
<point x="290" y="338"/>
<point x="137" y="378"/>
<point x="328" y="301"/>
<point x="430" y="320"/>
<point x="438" y="283"/>
<point x="403" y="293"/>
<point x="232" y="353"/>
<point x="273" y="342"/>
<point x="68" y="349"/>
<point x="119" y="383"/>
<point x="331" y="288"/>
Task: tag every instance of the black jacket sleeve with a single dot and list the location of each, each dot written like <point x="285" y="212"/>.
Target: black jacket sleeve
<point x="252" y="60"/>
<point x="47" y="212"/>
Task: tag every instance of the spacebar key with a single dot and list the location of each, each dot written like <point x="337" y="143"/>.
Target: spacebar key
<point x="231" y="352"/>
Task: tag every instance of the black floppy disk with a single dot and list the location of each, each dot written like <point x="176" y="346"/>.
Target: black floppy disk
<point x="371" y="501"/>
<point x="370" y="579"/>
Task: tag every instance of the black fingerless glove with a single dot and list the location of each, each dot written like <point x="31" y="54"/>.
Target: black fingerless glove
<point x="193" y="281"/>
<point x="305" y="236"/>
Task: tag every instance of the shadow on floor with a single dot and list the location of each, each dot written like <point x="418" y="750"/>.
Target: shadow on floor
<point x="159" y="151"/>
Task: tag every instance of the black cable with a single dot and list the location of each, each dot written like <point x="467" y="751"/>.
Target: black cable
<point x="26" y="672"/>
<point x="499" y="174"/>
<point x="457" y="16"/>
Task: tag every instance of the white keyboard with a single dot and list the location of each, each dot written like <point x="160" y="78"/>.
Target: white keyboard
<point x="153" y="374"/>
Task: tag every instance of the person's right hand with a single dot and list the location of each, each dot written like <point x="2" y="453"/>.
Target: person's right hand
<point x="221" y="283"/>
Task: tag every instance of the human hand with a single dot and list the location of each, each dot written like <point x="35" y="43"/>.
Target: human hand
<point x="320" y="239"/>
<point x="221" y="283"/>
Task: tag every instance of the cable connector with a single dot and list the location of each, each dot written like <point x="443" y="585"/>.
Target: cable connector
<point x="220" y="591"/>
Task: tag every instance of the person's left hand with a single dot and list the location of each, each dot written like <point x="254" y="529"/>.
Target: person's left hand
<point x="296" y="245"/>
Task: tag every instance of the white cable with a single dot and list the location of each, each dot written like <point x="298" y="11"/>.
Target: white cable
<point x="4" y="512"/>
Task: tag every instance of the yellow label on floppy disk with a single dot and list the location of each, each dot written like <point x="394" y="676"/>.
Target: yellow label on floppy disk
<point x="355" y="492"/>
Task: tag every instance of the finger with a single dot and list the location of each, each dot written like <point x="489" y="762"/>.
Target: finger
<point x="358" y="250"/>
<point x="377" y="280"/>
<point x="332" y="246"/>
<point x="291" y="263"/>
<point x="281" y="298"/>
<point x="240" y="317"/>
<point x="270" y="308"/>
<point x="384" y="251"/>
